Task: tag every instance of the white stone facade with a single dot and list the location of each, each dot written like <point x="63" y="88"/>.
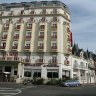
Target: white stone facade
<point x="37" y="42"/>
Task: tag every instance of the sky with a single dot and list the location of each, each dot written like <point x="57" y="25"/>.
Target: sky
<point x="83" y="21"/>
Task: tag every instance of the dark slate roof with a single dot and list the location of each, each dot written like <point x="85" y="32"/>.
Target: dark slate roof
<point x="35" y="4"/>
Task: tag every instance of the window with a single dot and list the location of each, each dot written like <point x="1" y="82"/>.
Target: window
<point x="28" y="34"/>
<point x="27" y="74"/>
<point x="54" y="19"/>
<point x="16" y="35"/>
<point x="54" y="34"/>
<point x="32" y="5"/>
<point x="41" y="34"/>
<point x="44" y="4"/>
<point x="54" y="26"/>
<point x="43" y="11"/>
<point x="29" y="26"/>
<point x="4" y="36"/>
<point x="22" y="12"/>
<point x="17" y="26"/>
<point x="54" y="11"/>
<point x="42" y="26"/>
<point x="54" y="44"/>
<point x="54" y="4"/>
<point x="15" y="72"/>
<point x="27" y="45"/>
<point x="30" y="20"/>
<point x="37" y="74"/>
<point x="3" y="44"/>
<point x="20" y="20"/>
<point x="15" y="43"/>
<point x="1" y="13"/>
<point x="7" y="68"/>
<point x="82" y="65"/>
<point x="52" y="74"/>
<point x="41" y="44"/>
<point x="32" y="12"/>
<point x="6" y="26"/>
<point x="43" y="19"/>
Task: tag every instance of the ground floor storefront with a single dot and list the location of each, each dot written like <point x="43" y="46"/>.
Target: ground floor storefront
<point x="8" y="71"/>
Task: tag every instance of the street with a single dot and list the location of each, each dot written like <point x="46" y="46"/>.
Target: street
<point x="12" y="89"/>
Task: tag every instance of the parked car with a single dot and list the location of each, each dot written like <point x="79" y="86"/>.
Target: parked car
<point x="71" y="83"/>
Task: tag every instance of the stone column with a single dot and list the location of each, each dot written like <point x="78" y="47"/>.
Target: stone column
<point x="20" y="72"/>
<point x="71" y="73"/>
<point x="60" y="71"/>
<point x="44" y="72"/>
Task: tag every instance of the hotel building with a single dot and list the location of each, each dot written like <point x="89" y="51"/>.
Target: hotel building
<point x="35" y="40"/>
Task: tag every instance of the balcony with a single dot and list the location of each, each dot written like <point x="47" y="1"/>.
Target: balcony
<point x="27" y="61"/>
<point x="39" y="62"/>
<point x="54" y="12"/>
<point x="66" y="16"/>
<point x="2" y="47"/>
<point x="14" y="47"/>
<point x="54" y="28"/>
<point x="9" y="58"/>
<point x="53" y="63"/>
<point x="76" y="66"/>
<point x="28" y="37"/>
<point x="27" y="48"/>
<point x="54" y="47"/>
<point x="11" y="13"/>
<point x="29" y="27"/>
<point x="43" y="12"/>
<point x="54" y="36"/>
<point x="17" y="28"/>
<point x="6" y="28"/>
<point x="32" y="13"/>
<point x="40" y="47"/>
<point x="42" y="27"/>
<point x="4" y="37"/>
<point x="41" y="36"/>
<point x="91" y="67"/>
<point x="16" y="37"/>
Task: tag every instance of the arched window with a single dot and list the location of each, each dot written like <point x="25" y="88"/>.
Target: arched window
<point x="75" y="64"/>
<point x="82" y="65"/>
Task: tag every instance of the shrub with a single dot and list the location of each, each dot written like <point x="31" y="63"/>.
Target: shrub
<point x="38" y="81"/>
<point x="53" y="82"/>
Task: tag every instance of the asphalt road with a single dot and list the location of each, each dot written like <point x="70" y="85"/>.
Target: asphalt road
<point x="12" y="89"/>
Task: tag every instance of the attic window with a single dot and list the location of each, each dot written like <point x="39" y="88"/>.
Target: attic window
<point x="32" y="5"/>
<point x="44" y="4"/>
<point x="54" y="4"/>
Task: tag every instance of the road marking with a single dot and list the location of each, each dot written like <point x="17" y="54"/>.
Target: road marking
<point x="9" y="91"/>
<point x="25" y="87"/>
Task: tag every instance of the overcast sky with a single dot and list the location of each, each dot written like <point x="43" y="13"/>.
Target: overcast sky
<point x="83" y="21"/>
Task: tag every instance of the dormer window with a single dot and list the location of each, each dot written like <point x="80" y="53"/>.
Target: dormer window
<point x="44" y="4"/>
<point x="54" y="4"/>
<point x="32" y="5"/>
